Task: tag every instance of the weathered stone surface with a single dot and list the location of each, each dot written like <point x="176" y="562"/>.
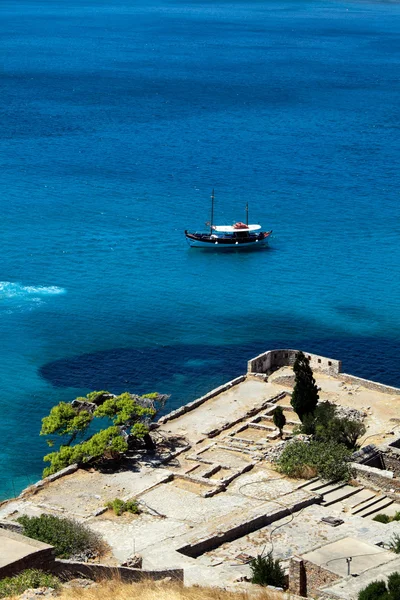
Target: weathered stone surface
<point x="38" y="593"/>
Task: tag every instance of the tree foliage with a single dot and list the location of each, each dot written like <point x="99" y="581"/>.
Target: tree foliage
<point x="267" y="571"/>
<point x="65" y="420"/>
<point x="129" y="414"/>
<point x="378" y="590"/>
<point x="329" y="427"/>
<point x="124" y="410"/>
<point x="393" y="585"/>
<point x="327" y="460"/>
<point x="107" y="444"/>
<point x="305" y="392"/>
<point x="279" y="419"/>
<point x="325" y="426"/>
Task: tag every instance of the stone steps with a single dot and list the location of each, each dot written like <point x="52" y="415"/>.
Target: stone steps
<point x="373" y="507"/>
<point x="363" y="495"/>
<point x="322" y="487"/>
<point x="339" y="494"/>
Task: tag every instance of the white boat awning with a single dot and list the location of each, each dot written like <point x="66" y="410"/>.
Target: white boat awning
<point x="233" y="229"/>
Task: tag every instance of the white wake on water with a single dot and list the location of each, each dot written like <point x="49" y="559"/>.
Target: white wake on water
<point x="17" y="297"/>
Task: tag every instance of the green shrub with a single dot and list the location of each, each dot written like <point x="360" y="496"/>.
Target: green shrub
<point x="68" y="537"/>
<point x="393" y="585"/>
<point x="382" y="518"/>
<point x="394" y="544"/>
<point x="326" y="459"/>
<point x="119" y="506"/>
<point x="267" y="571"/>
<point x="377" y="590"/>
<point x="374" y="591"/>
<point x="32" y="578"/>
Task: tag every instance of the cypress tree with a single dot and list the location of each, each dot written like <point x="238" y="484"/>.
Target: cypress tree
<point x="305" y="393"/>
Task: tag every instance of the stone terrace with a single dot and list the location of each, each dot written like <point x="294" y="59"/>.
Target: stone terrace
<point x="210" y="496"/>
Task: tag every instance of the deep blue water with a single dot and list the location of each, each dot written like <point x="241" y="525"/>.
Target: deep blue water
<point x="117" y="119"/>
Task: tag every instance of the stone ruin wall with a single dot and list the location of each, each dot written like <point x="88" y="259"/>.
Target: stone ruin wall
<point x="274" y="359"/>
<point x="306" y="578"/>
<point x="270" y="361"/>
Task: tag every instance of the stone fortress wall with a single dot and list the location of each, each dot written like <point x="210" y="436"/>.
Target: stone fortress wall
<point x="274" y="359"/>
<point x="270" y="361"/>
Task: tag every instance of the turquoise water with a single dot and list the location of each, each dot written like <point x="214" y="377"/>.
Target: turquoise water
<point x="117" y="119"/>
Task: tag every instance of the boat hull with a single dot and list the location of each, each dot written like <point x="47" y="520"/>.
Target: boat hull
<point x="220" y="243"/>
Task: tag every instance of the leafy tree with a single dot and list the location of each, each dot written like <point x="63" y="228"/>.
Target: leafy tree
<point x="342" y="430"/>
<point x="267" y="571"/>
<point x="351" y="431"/>
<point x="129" y="414"/>
<point x="124" y="410"/>
<point x="305" y="392"/>
<point x="107" y="444"/>
<point x="279" y="419"/>
<point x="305" y="459"/>
<point x="66" y="420"/>
<point x="325" y="426"/>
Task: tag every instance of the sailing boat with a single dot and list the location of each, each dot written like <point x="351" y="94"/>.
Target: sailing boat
<point x="238" y="235"/>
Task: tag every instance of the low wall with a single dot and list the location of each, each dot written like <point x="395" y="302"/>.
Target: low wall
<point x="192" y="405"/>
<point x="39" y="484"/>
<point x="306" y="578"/>
<point x="67" y="569"/>
<point x="376" y="478"/>
<point x="371" y="385"/>
<point x="274" y="359"/>
<point x="391" y="460"/>
<point x="242" y="524"/>
<point x="20" y="552"/>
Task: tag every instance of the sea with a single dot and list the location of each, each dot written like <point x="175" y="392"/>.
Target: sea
<point x="117" y="121"/>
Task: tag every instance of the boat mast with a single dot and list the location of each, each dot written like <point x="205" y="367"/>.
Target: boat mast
<point x="212" y="212"/>
<point x="247" y="213"/>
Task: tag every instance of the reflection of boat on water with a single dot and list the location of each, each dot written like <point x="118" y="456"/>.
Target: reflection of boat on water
<point x="239" y="235"/>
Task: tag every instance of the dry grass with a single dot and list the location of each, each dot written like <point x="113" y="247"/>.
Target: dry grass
<point x="115" y="590"/>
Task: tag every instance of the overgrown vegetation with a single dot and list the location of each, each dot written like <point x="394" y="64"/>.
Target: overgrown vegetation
<point x="68" y="537"/>
<point x="306" y="459"/>
<point x="114" y="589"/>
<point x="382" y="518"/>
<point x="265" y="570"/>
<point x="119" y="506"/>
<point x="333" y="437"/>
<point x="305" y="392"/>
<point x="394" y="544"/>
<point x="32" y="578"/>
<point x="129" y="415"/>
<point x="379" y="590"/>
<point x="325" y="426"/>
